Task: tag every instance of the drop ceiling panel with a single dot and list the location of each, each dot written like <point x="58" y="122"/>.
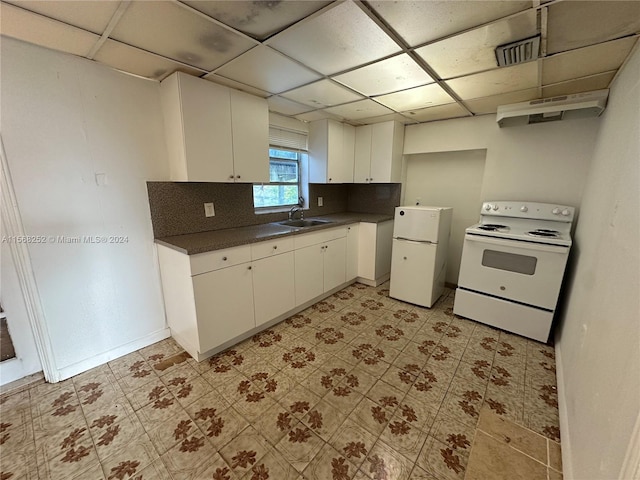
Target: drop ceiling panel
<point x="361" y="109"/>
<point x="316" y="115"/>
<point x="587" y="84"/>
<point x="92" y="16"/>
<point x="33" y="28"/>
<point x="474" y="51"/>
<point x="586" y="61"/>
<point x="576" y="24"/>
<point x="266" y="69"/>
<point x="133" y="60"/>
<point x="340" y="38"/>
<point x="390" y="75"/>
<point x="258" y="19"/>
<point x="324" y="93"/>
<point x="414" y="98"/>
<point x="385" y="118"/>
<point x="175" y="32"/>
<point x="237" y="85"/>
<point x="424" y="21"/>
<point x="286" y="107"/>
<point x="494" y="82"/>
<point x="440" y="112"/>
<point x="481" y="106"/>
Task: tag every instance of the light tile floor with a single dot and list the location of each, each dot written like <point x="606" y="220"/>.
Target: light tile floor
<point x="357" y="386"/>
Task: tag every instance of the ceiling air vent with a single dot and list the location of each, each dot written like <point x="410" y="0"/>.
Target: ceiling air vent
<point x="518" y="52"/>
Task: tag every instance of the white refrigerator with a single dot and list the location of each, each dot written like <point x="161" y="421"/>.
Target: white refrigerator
<point x="419" y="254"/>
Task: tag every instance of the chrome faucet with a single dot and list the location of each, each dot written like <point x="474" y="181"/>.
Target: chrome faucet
<point x="294" y="209"/>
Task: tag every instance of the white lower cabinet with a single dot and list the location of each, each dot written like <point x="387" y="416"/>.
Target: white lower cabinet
<point x="216" y="297"/>
<point x="374" y="255"/>
<point x="273" y="287"/>
<point x="351" y="266"/>
<point x="309" y="273"/>
<point x="224" y="305"/>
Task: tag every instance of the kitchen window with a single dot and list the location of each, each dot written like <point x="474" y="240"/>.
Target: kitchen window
<point x="287" y="156"/>
<point x="283" y="189"/>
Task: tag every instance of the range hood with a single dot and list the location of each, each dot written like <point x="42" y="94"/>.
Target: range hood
<point x="579" y="105"/>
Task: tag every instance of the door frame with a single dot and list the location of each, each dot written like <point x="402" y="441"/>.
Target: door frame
<point x="12" y="222"/>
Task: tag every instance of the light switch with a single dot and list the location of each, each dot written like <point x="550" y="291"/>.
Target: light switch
<point x="208" y="210"/>
<point x="320" y="201"/>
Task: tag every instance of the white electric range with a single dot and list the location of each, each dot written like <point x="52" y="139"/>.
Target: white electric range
<point x="512" y="266"/>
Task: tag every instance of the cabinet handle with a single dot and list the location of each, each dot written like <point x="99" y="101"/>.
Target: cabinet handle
<point x="249" y="267"/>
<point x="404" y="258"/>
<point x="371" y="179"/>
<point x="329" y="179"/>
<point x="275" y="247"/>
<point x="237" y="176"/>
<point x="366" y="179"/>
<point x="224" y="259"/>
<point x="231" y="176"/>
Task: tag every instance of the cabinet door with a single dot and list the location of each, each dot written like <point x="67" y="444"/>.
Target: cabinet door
<point x="206" y="126"/>
<point x="362" y="160"/>
<point x="224" y="305"/>
<point x="309" y="273"/>
<point x="273" y="286"/>
<point x="352" y="252"/>
<point x="346" y="159"/>
<point x="250" y="129"/>
<point x="381" y="147"/>
<point x="335" y="150"/>
<point x="335" y="256"/>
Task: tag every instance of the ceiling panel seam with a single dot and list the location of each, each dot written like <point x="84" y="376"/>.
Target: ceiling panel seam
<point x="115" y="18"/>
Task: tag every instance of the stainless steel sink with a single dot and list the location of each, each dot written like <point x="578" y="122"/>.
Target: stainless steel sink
<point x="303" y="223"/>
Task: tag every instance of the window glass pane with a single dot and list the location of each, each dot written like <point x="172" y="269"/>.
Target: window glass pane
<point x="275" y="153"/>
<point x="283" y="171"/>
<point x="274" y="195"/>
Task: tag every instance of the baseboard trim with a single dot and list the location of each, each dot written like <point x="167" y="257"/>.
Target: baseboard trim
<point x="101" y="359"/>
<point x="565" y="437"/>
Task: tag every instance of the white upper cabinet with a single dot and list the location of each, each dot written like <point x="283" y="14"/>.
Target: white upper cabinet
<point x="214" y="133"/>
<point x="378" y="153"/>
<point x="331" y="152"/>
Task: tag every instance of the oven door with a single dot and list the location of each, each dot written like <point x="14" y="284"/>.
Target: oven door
<point x="525" y="272"/>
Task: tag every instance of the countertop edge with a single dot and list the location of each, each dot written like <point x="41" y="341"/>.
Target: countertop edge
<point x="218" y="244"/>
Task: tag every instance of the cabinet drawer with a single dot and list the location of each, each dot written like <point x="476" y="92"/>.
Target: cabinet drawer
<point x="271" y="247"/>
<point x="307" y="239"/>
<point x="209" y="261"/>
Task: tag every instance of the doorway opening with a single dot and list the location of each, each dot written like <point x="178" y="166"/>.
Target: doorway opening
<point x="7" y="351"/>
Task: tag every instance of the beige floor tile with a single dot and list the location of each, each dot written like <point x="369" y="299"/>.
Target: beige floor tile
<point x="329" y="464"/>
<point x="299" y="446"/>
<point x="404" y="437"/>
<point x="553" y="475"/>
<point x="443" y="461"/>
<point x="555" y="456"/>
<point x="324" y="419"/>
<point x="386" y="395"/>
<point x="152" y="415"/>
<point x="371" y="416"/>
<point x="272" y="466"/>
<point x="491" y="458"/>
<point x="384" y="462"/>
<point x="244" y="451"/>
<point x="353" y="442"/>
<point x="189" y="456"/>
<point x="146" y="394"/>
<point x="174" y="430"/>
<point x="513" y="435"/>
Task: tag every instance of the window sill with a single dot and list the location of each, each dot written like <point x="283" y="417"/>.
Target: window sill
<point x="265" y="210"/>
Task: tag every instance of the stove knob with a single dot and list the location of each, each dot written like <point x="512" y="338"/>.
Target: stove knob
<point x="524" y="208"/>
<point x="487" y="207"/>
<point x="556" y="211"/>
<point x="495" y="207"/>
<point x="566" y="212"/>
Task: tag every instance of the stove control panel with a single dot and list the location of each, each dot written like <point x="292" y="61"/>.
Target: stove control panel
<point x="533" y="210"/>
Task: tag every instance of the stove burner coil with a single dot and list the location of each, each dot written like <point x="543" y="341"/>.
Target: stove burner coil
<point x="543" y="232"/>
<point x="492" y="227"/>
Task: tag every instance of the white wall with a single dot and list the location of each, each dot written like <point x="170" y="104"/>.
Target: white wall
<point x="65" y="120"/>
<point x="598" y="344"/>
<point x="447" y="179"/>
<point x="538" y="163"/>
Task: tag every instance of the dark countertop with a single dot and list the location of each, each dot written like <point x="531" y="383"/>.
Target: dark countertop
<point x="202" y="242"/>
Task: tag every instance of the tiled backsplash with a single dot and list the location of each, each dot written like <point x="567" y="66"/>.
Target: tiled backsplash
<point x="177" y="208"/>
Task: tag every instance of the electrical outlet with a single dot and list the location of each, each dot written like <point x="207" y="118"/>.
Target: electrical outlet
<point x="208" y="210"/>
<point x="320" y="201"/>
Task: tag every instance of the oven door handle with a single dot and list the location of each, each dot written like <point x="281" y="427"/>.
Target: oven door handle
<point x="538" y="247"/>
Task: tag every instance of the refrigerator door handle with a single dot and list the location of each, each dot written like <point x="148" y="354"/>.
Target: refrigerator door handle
<point x="415" y="241"/>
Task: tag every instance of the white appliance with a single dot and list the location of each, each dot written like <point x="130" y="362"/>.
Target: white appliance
<point x="419" y="253"/>
<point x="512" y="266"/>
<point x="578" y="105"/>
